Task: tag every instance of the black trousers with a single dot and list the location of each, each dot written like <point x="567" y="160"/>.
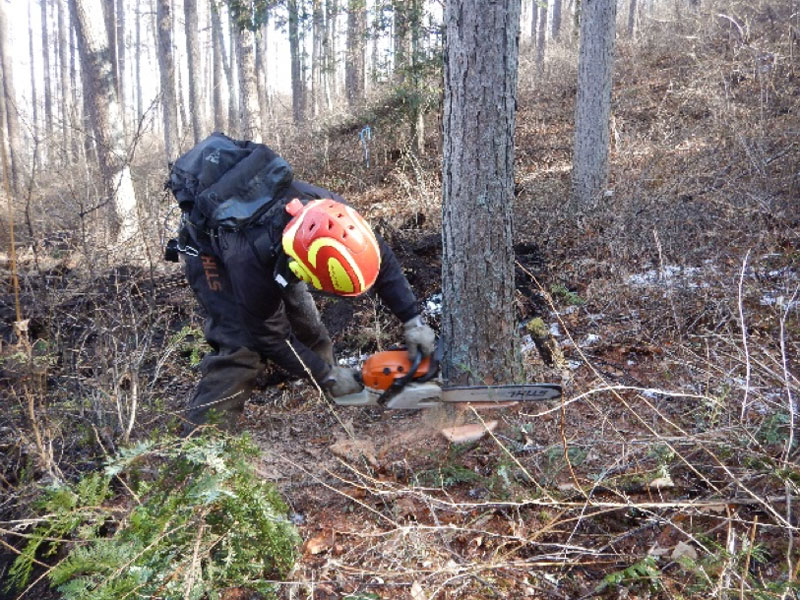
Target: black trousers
<point x="250" y="319"/>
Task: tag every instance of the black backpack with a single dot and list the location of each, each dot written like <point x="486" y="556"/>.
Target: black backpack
<point x="228" y="183"/>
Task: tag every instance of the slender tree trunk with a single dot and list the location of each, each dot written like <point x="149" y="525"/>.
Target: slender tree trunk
<point x="139" y="50"/>
<point x="480" y="73"/>
<point x="105" y="111"/>
<point x="317" y="28"/>
<point x="631" y="18"/>
<point x="356" y="59"/>
<point x="248" y="87"/>
<point x="262" y="79"/>
<point x="12" y="108"/>
<point x="417" y="112"/>
<point x="48" y="90"/>
<point x="109" y="13"/>
<point x="166" y="63"/>
<point x="234" y="112"/>
<point x="298" y="85"/>
<point x="34" y="93"/>
<point x="401" y="39"/>
<point x="66" y="88"/>
<point x="534" y="23"/>
<point x="193" y="61"/>
<point x="541" y="39"/>
<point x="593" y="103"/>
<point x="218" y="50"/>
<point x="331" y="65"/>
<point x="555" y="20"/>
<point x="122" y="84"/>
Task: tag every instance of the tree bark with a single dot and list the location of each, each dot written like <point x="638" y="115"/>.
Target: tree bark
<point x="329" y="73"/>
<point x="593" y="103"/>
<point x="248" y="87"/>
<point x="631" y="18"/>
<point x="317" y="27"/>
<point x="96" y="61"/>
<point x="166" y="64"/>
<point x="12" y="109"/>
<point x="121" y="66"/>
<point x="34" y="94"/>
<point x="139" y="50"/>
<point x="555" y="20"/>
<point x="541" y="38"/>
<point x="401" y="39"/>
<point x="356" y="58"/>
<point x="193" y="62"/>
<point x="298" y="85"/>
<point x="218" y="51"/>
<point x="234" y="113"/>
<point x="111" y="32"/>
<point x="480" y="74"/>
<point x="534" y="23"/>
<point x="48" y="89"/>
<point x="66" y="88"/>
<point x="262" y="79"/>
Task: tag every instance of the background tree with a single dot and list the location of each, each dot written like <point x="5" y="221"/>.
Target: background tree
<point x="298" y="84"/>
<point x="593" y="103"/>
<point x="193" y="62"/>
<point x="105" y="113"/>
<point x="356" y="47"/>
<point x="555" y="20"/>
<point x="248" y="89"/>
<point x="121" y="62"/>
<point x="166" y="65"/>
<point x="63" y="70"/>
<point x="480" y="78"/>
<point x="48" y="93"/>
<point x="221" y="67"/>
<point x="11" y="107"/>
<point x="541" y="35"/>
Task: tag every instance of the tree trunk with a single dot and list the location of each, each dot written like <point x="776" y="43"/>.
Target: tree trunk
<point x="298" y="85"/>
<point x="218" y="51"/>
<point x="534" y="23"/>
<point x="166" y="64"/>
<point x="111" y="33"/>
<point x="480" y="74"/>
<point x="139" y="50"/>
<point x="10" y="99"/>
<point x="34" y="94"/>
<point x="329" y="73"/>
<point x="401" y="39"/>
<point x="234" y="113"/>
<point x="318" y="26"/>
<point x="631" y="18"/>
<point x="248" y="87"/>
<point x="105" y="111"/>
<point x="121" y="66"/>
<point x="48" y="88"/>
<point x="354" y="67"/>
<point x="555" y="20"/>
<point x="66" y="88"/>
<point x="541" y="38"/>
<point x="262" y="77"/>
<point x="193" y="62"/>
<point x="593" y="103"/>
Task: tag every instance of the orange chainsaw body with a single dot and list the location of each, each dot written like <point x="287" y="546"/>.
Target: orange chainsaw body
<point x="381" y="369"/>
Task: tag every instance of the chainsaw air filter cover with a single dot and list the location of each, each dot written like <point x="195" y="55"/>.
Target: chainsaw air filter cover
<point x="381" y="369"/>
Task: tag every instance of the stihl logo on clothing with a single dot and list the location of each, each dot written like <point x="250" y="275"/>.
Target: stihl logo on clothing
<point x="212" y="273"/>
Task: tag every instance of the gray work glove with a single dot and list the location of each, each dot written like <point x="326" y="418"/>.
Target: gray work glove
<point x="419" y="337"/>
<point x="341" y="381"/>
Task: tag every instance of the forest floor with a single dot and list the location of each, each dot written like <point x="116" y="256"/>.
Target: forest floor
<point x="670" y="468"/>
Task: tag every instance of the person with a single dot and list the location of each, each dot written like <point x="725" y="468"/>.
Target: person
<point x="252" y="239"/>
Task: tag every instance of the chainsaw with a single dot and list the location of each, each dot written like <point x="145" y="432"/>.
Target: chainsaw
<point x="392" y="380"/>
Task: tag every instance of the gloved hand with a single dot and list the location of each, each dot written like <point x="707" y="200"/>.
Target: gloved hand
<point x="419" y="337"/>
<point x="341" y="381"/>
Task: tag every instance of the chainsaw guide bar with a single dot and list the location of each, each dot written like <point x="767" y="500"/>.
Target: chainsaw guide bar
<point x="393" y="381"/>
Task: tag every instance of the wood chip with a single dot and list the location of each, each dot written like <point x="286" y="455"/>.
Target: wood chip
<point x="467" y="433"/>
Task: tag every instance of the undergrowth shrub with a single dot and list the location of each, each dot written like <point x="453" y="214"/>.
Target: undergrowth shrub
<point x="176" y="518"/>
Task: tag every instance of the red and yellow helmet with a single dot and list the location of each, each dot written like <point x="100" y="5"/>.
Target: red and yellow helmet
<point x="331" y="247"/>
